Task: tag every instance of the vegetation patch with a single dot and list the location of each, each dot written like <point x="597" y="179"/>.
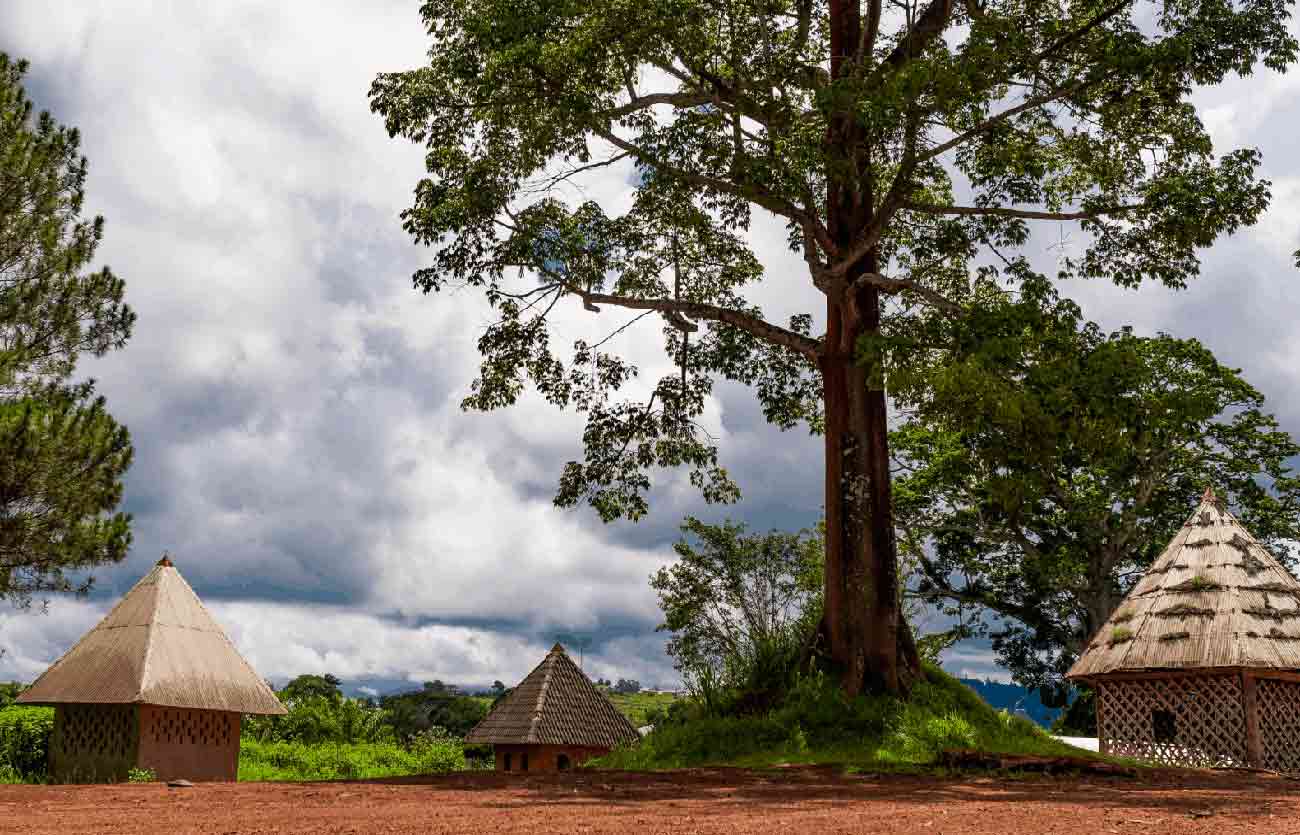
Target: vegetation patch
<point x="24" y="743"/>
<point x="1185" y="610"/>
<point x="1275" y="588"/>
<point x="1196" y="583"/>
<point x="1120" y="634"/>
<point x="816" y="723"/>
<point x="1201" y="543"/>
<point x="1175" y="636"/>
<point x="341" y="761"/>
<point x="1278" y="635"/>
<point x="1270" y="613"/>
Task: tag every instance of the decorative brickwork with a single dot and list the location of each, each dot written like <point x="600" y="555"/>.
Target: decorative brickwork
<point x="1194" y="720"/>
<point x="93" y="742"/>
<point x="194" y="744"/>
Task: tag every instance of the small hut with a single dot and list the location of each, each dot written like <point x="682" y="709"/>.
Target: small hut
<point x="1200" y="665"/>
<point x="155" y="685"/>
<point x="554" y="720"/>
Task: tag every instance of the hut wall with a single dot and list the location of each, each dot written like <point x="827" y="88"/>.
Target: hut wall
<point x="1183" y="720"/>
<point x="1278" y="703"/>
<point x="93" y="743"/>
<point x="189" y="744"/>
<point x="544" y="758"/>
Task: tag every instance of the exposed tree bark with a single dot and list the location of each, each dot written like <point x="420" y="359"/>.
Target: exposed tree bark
<point x="868" y="642"/>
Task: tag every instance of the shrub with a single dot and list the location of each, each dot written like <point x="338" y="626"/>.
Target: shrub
<point x="25" y="739"/>
<point x="141" y="775"/>
<point x="332" y="761"/>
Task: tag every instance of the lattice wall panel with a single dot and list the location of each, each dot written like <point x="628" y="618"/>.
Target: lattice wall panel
<point x="1208" y="721"/>
<point x="1279" y="723"/>
<point x="176" y="726"/>
<point x="97" y="731"/>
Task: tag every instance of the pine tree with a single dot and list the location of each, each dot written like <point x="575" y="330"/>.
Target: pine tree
<point x="62" y="455"/>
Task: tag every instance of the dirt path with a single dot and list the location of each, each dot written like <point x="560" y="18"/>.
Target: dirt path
<point x="804" y="800"/>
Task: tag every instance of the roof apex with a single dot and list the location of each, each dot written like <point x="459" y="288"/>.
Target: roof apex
<point x="159" y="646"/>
<point x="558" y="648"/>
<point x="1215" y="598"/>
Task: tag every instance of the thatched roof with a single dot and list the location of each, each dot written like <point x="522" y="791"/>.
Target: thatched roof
<point x="556" y="704"/>
<point x="158" y="646"/>
<point x="1214" y="598"/>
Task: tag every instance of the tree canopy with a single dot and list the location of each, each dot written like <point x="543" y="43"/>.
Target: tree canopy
<point x="1049" y="468"/>
<point x="905" y="149"/>
<point x="62" y="455"/>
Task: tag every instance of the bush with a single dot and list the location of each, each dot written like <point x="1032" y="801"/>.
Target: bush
<point x="25" y="740"/>
<point x="332" y="761"/>
<point x="141" y="775"/>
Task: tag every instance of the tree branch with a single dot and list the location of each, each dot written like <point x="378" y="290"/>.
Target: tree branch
<point x="753" y="193"/>
<point x="994" y="121"/>
<point x="1027" y="214"/>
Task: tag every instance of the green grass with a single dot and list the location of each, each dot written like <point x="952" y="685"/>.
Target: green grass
<point x="635" y="705"/>
<point x="817" y="725"/>
<point x="335" y="761"/>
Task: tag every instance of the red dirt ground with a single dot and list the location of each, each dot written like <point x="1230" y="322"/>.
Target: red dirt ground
<point x="796" y="800"/>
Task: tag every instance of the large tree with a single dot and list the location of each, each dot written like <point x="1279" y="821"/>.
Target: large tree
<point x="1050" y="466"/>
<point x="62" y="455"/>
<point x="854" y="124"/>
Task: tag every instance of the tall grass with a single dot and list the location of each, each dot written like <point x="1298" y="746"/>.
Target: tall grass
<point x="815" y="723"/>
<point x="341" y="761"/>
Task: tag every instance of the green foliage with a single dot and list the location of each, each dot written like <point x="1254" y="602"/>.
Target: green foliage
<point x="435" y="704"/>
<point x="141" y="775"/>
<point x="642" y="708"/>
<point x="1048" y="463"/>
<point x="8" y="692"/>
<point x="315" y="719"/>
<point x="61" y="455"/>
<point x="738" y="606"/>
<point x="334" y="761"/>
<point x="1080" y="717"/>
<point x="51" y="523"/>
<point x="25" y="740"/>
<point x="312" y="686"/>
<point x="722" y="113"/>
<point x="817" y="723"/>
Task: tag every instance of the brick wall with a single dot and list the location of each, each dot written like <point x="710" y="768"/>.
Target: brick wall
<point x="543" y="758"/>
<point x="189" y="744"/>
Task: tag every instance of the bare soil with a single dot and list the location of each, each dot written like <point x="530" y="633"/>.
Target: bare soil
<point x="793" y="800"/>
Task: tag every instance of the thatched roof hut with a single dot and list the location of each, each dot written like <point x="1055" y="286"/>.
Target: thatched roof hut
<point x="555" y="719"/>
<point x="1201" y="662"/>
<point x="156" y="684"/>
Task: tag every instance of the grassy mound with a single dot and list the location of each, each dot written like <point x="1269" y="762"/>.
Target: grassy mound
<point x="817" y="724"/>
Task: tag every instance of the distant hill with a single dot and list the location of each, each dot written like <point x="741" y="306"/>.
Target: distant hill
<point x="1015" y="699"/>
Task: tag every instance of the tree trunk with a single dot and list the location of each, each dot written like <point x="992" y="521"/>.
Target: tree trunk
<point x="867" y="637"/>
<point x="868" y="641"/>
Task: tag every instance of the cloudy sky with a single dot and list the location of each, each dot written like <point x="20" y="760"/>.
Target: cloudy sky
<point x="294" y="403"/>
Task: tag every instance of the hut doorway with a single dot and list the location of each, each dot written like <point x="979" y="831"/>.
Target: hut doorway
<point x="562" y="762"/>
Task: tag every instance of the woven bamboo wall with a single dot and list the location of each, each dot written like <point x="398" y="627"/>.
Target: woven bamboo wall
<point x="1279" y="723"/>
<point x="93" y="743"/>
<point x="1193" y="720"/>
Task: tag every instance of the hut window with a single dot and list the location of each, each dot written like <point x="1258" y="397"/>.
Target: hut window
<point x="1164" y="727"/>
<point x="562" y="762"/>
<point x="508" y="763"/>
<point x="523" y="761"/>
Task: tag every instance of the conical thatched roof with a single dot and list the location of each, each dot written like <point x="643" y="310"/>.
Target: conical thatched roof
<point x="1214" y="598"/>
<point x="555" y="705"/>
<point x="158" y="646"/>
